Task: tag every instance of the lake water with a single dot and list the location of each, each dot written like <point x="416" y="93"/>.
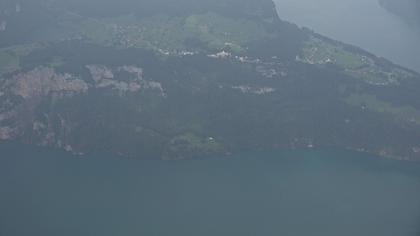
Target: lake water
<point x="360" y="22"/>
<point x="299" y="193"/>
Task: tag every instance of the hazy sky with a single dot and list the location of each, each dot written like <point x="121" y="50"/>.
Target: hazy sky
<point x="360" y="22"/>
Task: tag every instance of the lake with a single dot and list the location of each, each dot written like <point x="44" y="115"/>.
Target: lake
<point x="301" y="193"/>
<point x="363" y="23"/>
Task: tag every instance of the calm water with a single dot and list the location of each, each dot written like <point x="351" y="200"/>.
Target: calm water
<point x="300" y="193"/>
<point x="360" y="22"/>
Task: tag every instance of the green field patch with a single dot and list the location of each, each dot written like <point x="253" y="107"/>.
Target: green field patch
<point x="160" y="32"/>
<point x="97" y="32"/>
<point x="171" y="33"/>
<point x="371" y="102"/>
<point x="10" y="57"/>
<point x="218" y="31"/>
<point x="190" y="145"/>
<point x="317" y="51"/>
<point x="56" y="62"/>
<point x="8" y="62"/>
<point x="379" y="78"/>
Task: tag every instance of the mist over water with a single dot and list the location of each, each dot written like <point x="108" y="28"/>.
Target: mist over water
<point x="296" y="193"/>
<point x="363" y="23"/>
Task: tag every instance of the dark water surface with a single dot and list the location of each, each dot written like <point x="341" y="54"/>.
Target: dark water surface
<point x="300" y="193"/>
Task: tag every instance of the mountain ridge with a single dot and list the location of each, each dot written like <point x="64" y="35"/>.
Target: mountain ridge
<point x="196" y="82"/>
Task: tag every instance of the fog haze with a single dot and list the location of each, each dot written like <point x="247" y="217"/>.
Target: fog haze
<point x="360" y="22"/>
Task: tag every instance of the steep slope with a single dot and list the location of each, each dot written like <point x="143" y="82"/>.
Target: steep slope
<point x="158" y="79"/>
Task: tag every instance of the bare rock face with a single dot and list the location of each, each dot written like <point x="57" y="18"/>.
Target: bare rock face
<point x="29" y="99"/>
<point x="24" y="92"/>
<point x="42" y="81"/>
<point x="104" y="78"/>
<point x="100" y="72"/>
<point x="6" y="133"/>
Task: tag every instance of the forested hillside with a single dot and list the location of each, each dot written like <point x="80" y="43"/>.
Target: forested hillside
<point x="151" y="79"/>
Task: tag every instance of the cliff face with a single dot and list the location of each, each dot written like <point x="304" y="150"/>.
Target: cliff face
<point x="185" y="79"/>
